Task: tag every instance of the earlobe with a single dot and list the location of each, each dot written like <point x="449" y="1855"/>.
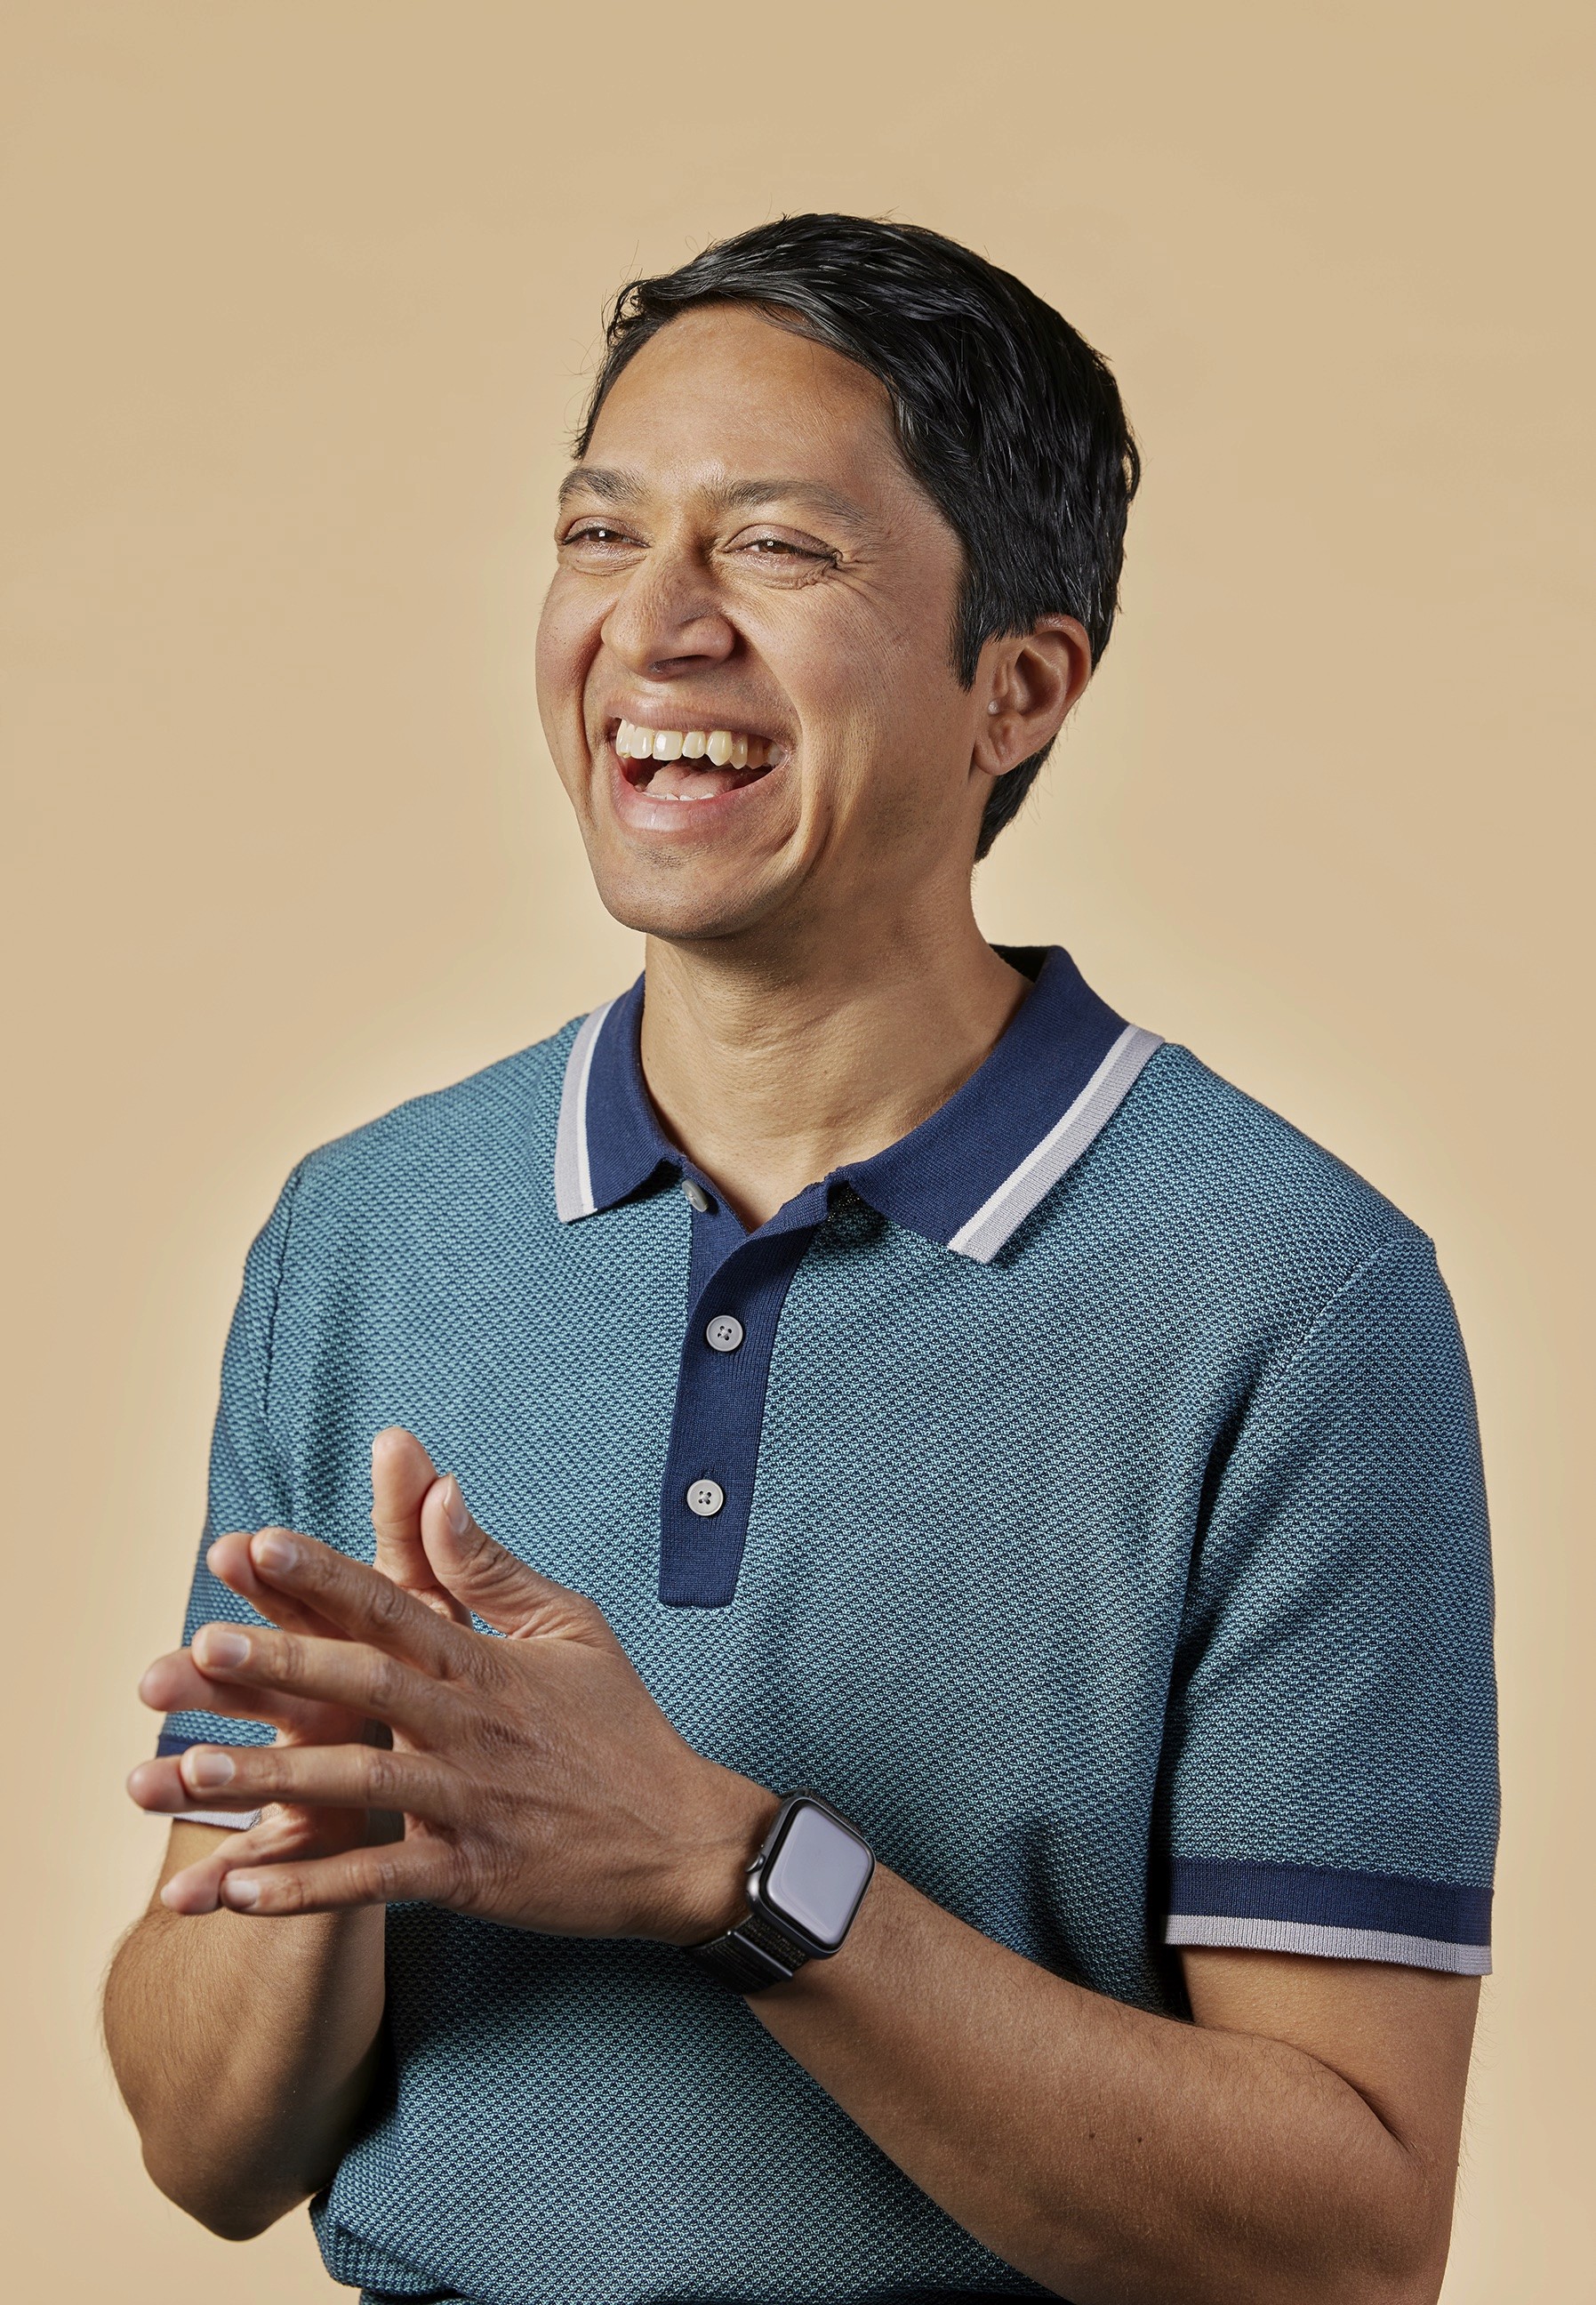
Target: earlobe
<point x="989" y="755"/>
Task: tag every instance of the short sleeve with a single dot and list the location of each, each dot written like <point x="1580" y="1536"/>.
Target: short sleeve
<point x="1330" y="1769"/>
<point x="250" y="1485"/>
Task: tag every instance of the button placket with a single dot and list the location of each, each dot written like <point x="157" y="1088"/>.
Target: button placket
<point x="713" y="1455"/>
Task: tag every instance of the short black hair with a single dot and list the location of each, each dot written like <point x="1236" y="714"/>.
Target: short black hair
<point x="1007" y="417"/>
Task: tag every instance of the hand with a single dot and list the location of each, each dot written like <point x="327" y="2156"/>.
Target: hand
<point x="402" y="1476"/>
<point x="541" y="1784"/>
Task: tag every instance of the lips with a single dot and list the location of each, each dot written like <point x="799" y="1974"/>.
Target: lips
<point x="689" y="764"/>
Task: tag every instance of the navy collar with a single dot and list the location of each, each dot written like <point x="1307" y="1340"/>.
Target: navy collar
<point x="966" y="1178"/>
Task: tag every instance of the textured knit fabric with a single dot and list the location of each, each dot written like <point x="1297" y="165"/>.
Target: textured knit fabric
<point x="1132" y="1583"/>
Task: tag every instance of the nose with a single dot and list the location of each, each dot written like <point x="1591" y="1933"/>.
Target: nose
<point x="667" y="617"/>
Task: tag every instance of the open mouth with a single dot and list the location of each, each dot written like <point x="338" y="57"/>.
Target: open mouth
<point x="689" y="764"/>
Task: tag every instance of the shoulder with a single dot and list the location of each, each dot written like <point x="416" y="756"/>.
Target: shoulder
<point x="1222" y="1154"/>
<point x="1231" y="1213"/>
<point x="476" y="1142"/>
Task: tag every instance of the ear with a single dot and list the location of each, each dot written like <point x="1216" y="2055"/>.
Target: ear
<point x="1024" y="689"/>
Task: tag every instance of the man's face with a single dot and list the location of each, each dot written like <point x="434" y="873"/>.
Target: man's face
<point x="743" y="555"/>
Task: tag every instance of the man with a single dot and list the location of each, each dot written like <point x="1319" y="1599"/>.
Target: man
<point x="888" y="1377"/>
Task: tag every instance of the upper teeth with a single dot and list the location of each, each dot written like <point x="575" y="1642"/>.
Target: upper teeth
<point x="717" y="746"/>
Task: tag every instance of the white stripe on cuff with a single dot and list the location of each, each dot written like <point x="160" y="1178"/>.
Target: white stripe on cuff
<point x="1330" y="1944"/>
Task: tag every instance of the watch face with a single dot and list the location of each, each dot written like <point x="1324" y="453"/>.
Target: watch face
<point x="816" y="1875"/>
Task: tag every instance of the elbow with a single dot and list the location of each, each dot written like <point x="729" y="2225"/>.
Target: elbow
<point x="231" y="2221"/>
<point x="1421" y="2286"/>
<point x="1407" y="2266"/>
<point x="217" y="2199"/>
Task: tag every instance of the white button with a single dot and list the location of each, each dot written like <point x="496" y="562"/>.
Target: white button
<point x="705" y="1498"/>
<point x="696" y="1194"/>
<point x="724" y="1333"/>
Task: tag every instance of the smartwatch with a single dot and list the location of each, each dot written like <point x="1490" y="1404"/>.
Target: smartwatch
<point x="804" y="1888"/>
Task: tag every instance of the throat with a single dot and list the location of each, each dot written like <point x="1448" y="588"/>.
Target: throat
<point x="770" y="1087"/>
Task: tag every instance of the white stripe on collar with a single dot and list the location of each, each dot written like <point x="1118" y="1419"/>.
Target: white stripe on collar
<point x="572" y="1169"/>
<point x="982" y="1235"/>
<point x="1005" y="1210"/>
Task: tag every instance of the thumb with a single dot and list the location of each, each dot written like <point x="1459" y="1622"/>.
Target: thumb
<point x="500" y="1589"/>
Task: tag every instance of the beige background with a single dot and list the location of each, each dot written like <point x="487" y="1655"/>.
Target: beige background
<point x="298" y="297"/>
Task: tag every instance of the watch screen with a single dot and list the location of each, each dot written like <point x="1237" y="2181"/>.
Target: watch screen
<point x="818" y="1874"/>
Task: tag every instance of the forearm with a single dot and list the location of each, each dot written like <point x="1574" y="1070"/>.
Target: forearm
<point x="1117" y="2158"/>
<point x="243" y="2049"/>
<point x="1295" y="2146"/>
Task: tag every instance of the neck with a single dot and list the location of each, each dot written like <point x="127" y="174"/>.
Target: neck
<point x="770" y="1068"/>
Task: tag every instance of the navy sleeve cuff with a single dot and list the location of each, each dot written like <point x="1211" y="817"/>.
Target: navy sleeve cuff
<point x="1342" y="1915"/>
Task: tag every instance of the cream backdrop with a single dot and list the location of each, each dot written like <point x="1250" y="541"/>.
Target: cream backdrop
<point x="299" y="296"/>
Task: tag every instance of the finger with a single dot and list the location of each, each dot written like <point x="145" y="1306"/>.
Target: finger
<point x="363" y="1605"/>
<point x="365" y="1681"/>
<point x="316" y="1776"/>
<point x="231" y="1563"/>
<point x="500" y="1589"/>
<point x="402" y="1473"/>
<point x="176" y="1684"/>
<point x="157" y="1786"/>
<point x="283" y="1835"/>
<point x="420" y="1869"/>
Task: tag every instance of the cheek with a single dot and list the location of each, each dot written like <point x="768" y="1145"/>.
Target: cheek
<point x="567" y="641"/>
<point x="849" y="679"/>
<point x="898" y="714"/>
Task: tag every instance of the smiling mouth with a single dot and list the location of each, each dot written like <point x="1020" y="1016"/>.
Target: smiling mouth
<point x="689" y="764"/>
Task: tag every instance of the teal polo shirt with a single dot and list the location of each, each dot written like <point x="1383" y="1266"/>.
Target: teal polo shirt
<point x="1083" y="1495"/>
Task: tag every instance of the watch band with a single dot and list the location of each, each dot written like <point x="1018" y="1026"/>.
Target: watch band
<point x="754" y="1954"/>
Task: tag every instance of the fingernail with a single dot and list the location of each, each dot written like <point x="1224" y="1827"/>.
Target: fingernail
<point x="273" y="1549"/>
<point x="217" y="1646"/>
<point x="204" y="1770"/>
<point x="241" y="1892"/>
<point x="459" y="1518"/>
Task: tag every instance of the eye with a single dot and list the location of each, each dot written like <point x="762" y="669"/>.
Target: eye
<point x="597" y="532"/>
<point x="785" y="550"/>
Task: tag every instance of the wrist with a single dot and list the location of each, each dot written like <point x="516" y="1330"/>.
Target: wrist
<point x="709" y="1885"/>
<point x="804" y="1890"/>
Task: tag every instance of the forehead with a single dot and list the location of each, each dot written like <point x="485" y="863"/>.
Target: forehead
<point x="723" y="393"/>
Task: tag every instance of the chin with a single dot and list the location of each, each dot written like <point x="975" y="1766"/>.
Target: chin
<point x="682" y="907"/>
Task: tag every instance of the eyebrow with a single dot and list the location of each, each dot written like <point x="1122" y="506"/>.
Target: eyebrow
<point x="615" y="487"/>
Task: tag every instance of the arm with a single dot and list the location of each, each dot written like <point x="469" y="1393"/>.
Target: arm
<point x="1295" y="2146"/>
<point x="244" y="2054"/>
<point x="1298" y="2142"/>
